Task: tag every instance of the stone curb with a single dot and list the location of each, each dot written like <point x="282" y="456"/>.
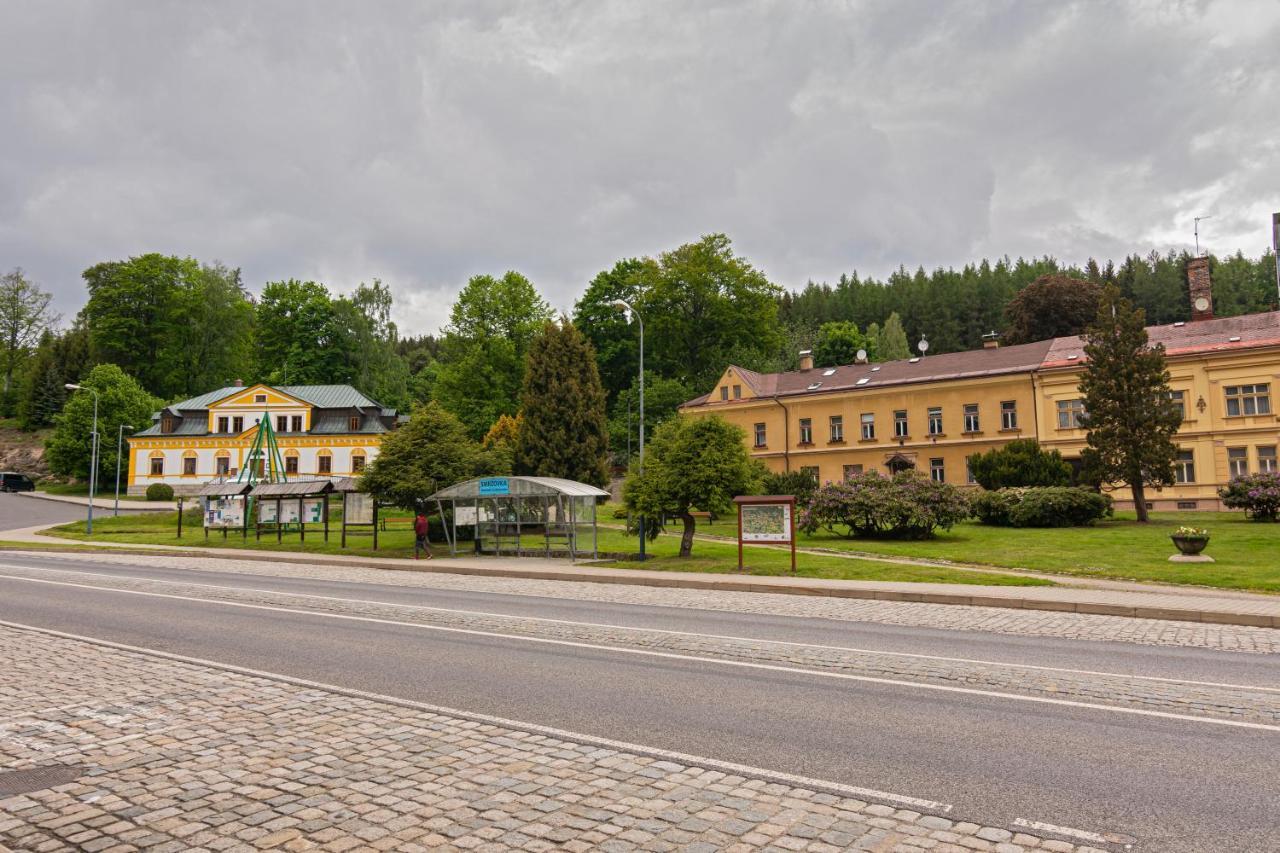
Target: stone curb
<point x="741" y="584"/>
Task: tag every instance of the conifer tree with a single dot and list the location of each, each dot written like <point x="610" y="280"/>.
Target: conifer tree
<point x="563" y="431"/>
<point x="891" y="344"/>
<point x="1129" y="417"/>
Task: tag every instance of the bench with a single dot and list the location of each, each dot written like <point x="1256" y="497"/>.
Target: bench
<point x="703" y="516"/>
<point x="383" y="522"/>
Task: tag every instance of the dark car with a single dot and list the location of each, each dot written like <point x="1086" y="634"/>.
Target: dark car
<point x="11" y="481"/>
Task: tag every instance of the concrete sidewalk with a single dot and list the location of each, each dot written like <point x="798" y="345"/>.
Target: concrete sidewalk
<point x="1108" y="598"/>
<point x="104" y="502"/>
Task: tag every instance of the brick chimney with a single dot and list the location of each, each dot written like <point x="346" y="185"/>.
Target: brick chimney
<point x="991" y="340"/>
<point x="239" y="383"/>
<point x="806" y="359"/>
<point x="1200" y="288"/>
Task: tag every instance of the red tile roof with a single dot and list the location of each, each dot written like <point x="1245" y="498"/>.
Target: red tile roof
<point x="1250" y="330"/>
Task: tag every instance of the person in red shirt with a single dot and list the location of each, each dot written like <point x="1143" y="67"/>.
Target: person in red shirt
<point x="420" y="529"/>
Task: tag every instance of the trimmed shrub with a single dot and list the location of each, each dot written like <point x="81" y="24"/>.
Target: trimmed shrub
<point x="1020" y="463"/>
<point x="1041" y="506"/>
<point x="1257" y="494"/>
<point x="159" y="492"/>
<point x="905" y="506"/>
<point x="797" y="483"/>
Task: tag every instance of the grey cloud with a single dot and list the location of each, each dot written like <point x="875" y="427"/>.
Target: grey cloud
<point x="423" y="143"/>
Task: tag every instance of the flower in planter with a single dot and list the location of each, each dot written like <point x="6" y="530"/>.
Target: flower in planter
<point x="1191" y="532"/>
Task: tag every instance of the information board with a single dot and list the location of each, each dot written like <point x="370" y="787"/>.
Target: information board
<point x="224" y="512"/>
<point x="291" y="511"/>
<point x="313" y="511"/>
<point x="494" y="486"/>
<point x="766" y="522"/>
<point x="359" y="508"/>
<point x="266" y="512"/>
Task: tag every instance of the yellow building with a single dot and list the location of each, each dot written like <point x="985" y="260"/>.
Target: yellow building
<point x="321" y="430"/>
<point x="932" y="413"/>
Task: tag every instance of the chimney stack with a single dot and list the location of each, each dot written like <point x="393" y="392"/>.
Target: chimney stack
<point x="991" y="340"/>
<point x="239" y="383"/>
<point x="806" y="359"/>
<point x="1200" y="288"/>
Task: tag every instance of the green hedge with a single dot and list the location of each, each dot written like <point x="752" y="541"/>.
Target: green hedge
<point x="1041" y="506"/>
<point x="159" y="492"/>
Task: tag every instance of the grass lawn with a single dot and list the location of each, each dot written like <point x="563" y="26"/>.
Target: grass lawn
<point x="1247" y="553"/>
<point x="81" y="490"/>
<point x="161" y="529"/>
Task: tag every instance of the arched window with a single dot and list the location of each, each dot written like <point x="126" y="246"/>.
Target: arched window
<point x="324" y="461"/>
<point x="222" y="463"/>
<point x="357" y="461"/>
<point x="189" y="463"/>
<point x="157" y="463"/>
<point x="291" y="461"/>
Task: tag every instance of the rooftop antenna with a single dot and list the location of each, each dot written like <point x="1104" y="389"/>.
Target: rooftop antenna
<point x="923" y="346"/>
<point x="1197" y="230"/>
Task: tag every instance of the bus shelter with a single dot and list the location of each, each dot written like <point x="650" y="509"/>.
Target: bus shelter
<point x="294" y="502"/>
<point x="523" y="515"/>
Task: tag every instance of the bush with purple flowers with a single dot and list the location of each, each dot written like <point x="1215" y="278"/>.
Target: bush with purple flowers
<point x="1257" y="494"/>
<point x="905" y="506"/>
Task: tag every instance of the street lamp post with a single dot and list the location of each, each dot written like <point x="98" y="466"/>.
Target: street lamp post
<point x="119" y="447"/>
<point x="93" y="454"/>
<point x="623" y="305"/>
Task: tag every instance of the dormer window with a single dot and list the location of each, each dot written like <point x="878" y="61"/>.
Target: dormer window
<point x="167" y="423"/>
<point x="354" y="423"/>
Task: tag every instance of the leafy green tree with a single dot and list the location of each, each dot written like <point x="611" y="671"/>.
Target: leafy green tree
<point x="662" y="397"/>
<point x="299" y="340"/>
<point x="24" y="317"/>
<point x="838" y="343"/>
<point x="611" y="332"/>
<point x="1022" y="462"/>
<point x="563" y="431"/>
<point x="121" y="400"/>
<point x="1052" y="306"/>
<point x="500" y="443"/>
<point x="216" y="347"/>
<point x="1129" y="418"/>
<point x="691" y="464"/>
<point x="430" y="452"/>
<point x="371" y="338"/>
<point x="481" y="366"/>
<point x="891" y="343"/>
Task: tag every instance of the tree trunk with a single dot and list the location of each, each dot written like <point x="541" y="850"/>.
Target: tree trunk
<point x="686" y="540"/>
<point x="1140" y="501"/>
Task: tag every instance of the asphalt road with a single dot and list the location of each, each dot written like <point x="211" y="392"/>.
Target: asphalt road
<point x="1174" y="785"/>
<point x="21" y="511"/>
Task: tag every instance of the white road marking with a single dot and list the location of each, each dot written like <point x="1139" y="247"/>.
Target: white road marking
<point x="726" y="767"/>
<point x="550" y="621"/>
<point x="1068" y="831"/>
<point x="868" y="679"/>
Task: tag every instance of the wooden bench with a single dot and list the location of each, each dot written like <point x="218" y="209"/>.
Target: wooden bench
<point x="703" y="516"/>
<point x="383" y="522"/>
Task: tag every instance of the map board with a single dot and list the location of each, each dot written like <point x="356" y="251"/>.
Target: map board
<point x="290" y="511"/>
<point x="358" y="508"/>
<point x="766" y="523"/>
<point x="224" y="512"/>
<point x="313" y="511"/>
<point x="266" y="512"/>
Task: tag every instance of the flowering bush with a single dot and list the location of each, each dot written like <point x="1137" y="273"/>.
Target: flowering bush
<point x="1191" y="532"/>
<point x="905" y="506"/>
<point x="1041" y="506"/>
<point x="1257" y="494"/>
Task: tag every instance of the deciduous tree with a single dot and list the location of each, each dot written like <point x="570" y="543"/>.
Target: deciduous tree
<point x="121" y="400"/>
<point x="838" y="343"/>
<point x="24" y="317"/>
<point x="1129" y="417"/>
<point x="1051" y="306"/>
<point x="430" y="452"/>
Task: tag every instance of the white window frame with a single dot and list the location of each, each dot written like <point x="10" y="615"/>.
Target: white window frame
<point x="1009" y="414"/>
<point x="867" y="420"/>
<point x="935" y="420"/>
<point x="972" y="418"/>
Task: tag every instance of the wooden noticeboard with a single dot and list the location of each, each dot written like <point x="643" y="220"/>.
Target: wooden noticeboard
<point x="767" y="519"/>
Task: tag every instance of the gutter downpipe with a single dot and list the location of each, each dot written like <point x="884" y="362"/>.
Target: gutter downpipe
<point x="786" y="435"/>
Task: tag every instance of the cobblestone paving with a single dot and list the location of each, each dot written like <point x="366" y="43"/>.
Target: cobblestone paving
<point x="1203" y="700"/>
<point x="1038" y="623"/>
<point x="181" y="757"/>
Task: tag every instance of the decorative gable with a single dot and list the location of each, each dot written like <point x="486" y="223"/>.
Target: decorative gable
<point x="258" y="397"/>
<point x="734" y="384"/>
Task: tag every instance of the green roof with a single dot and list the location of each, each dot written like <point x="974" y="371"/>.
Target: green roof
<point x="320" y="396"/>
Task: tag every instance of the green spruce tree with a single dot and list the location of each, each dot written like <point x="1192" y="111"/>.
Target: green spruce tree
<point x="1130" y="419"/>
<point x="891" y="344"/>
<point x="563" y="431"/>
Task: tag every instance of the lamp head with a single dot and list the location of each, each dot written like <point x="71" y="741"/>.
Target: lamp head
<point x="71" y="387"/>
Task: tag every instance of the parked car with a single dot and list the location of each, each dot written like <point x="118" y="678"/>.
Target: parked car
<point x="12" y="481"/>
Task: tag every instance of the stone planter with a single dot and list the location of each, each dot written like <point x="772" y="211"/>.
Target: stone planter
<point x="1189" y="548"/>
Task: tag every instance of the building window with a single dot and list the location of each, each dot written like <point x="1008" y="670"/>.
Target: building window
<point x="189" y="466"/>
<point x="354" y="423"/>
<point x="868" y="426"/>
<point x="222" y="465"/>
<point x="259" y="398"/>
<point x="1009" y="414"/>
<point x="1184" y="467"/>
<point x="1069" y="413"/>
<point x="971" y="418"/>
<point x="737" y="392"/>
<point x="357" y="463"/>
<point x="297" y="423"/>
<point x="837" y="428"/>
<point x="1267" y="459"/>
<point x="811" y="471"/>
<point x="724" y="392"/>
<point x="937" y="471"/>
<point x="760" y="435"/>
<point x="1178" y="400"/>
<point x="282" y="423"/>
<point x="157" y="466"/>
<point x="852" y="471"/>
<point x="900" y="424"/>
<point x="166" y="424"/>
<point x="806" y="431"/>
<point x="1237" y="461"/>
<point x="1248" y="399"/>
<point x="935" y="420"/>
<point x="237" y="424"/>
<point x="968" y="471"/>
<point x="224" y="424"/>
<point x="324" y="463"/>
<point x="291" y="464"/>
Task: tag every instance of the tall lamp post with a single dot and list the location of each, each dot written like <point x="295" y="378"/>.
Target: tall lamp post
<point x="623" y="305"/>
<point x="93" y="453"/>
<point x="119" y="447"/>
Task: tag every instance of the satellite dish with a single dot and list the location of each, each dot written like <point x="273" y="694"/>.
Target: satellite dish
<point x="923" y="346"/>
<point x="862" y="355"/>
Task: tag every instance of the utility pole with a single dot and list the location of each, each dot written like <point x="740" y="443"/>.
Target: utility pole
<point x="93" y="454"/>
<point x="622" y="305"/>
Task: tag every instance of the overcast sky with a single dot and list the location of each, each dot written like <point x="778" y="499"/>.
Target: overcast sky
<point x="424" y="142"/>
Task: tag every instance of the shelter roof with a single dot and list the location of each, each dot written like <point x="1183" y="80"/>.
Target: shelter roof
<point x="292" y="488"/>
<point x="221" y="490"/>
<point x="518" y="487"/>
